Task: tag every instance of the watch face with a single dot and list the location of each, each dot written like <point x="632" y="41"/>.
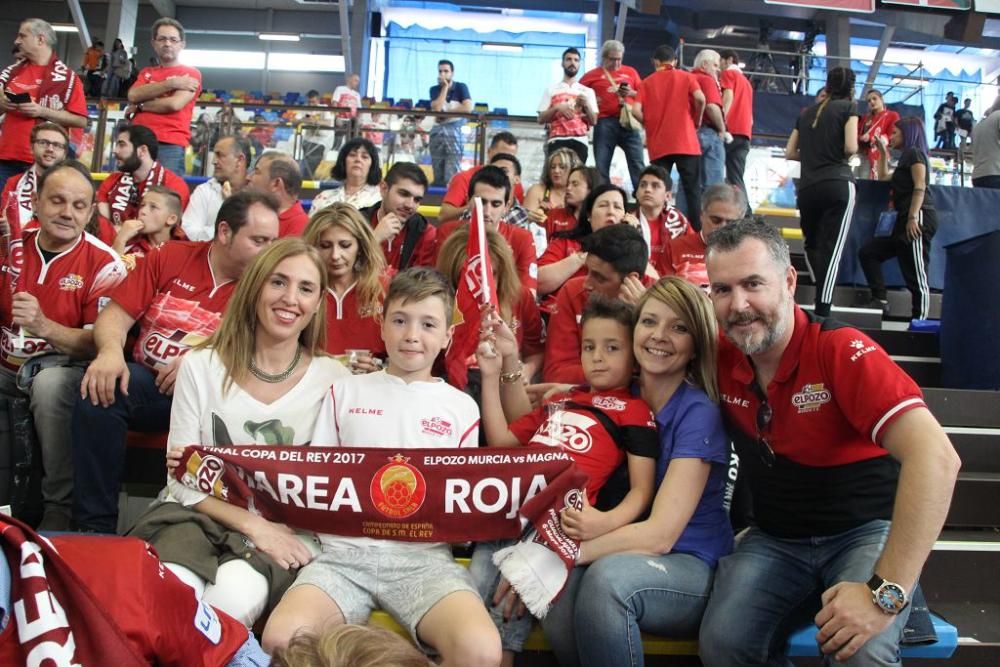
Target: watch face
<point x="891" y="597"/>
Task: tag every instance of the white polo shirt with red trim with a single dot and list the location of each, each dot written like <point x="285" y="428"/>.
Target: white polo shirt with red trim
<point x="833" y="396"/>
<point x="71" y="288"/>
<point x="176" y="299"/>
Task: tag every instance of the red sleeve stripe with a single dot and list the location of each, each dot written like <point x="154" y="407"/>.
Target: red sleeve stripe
<point x="461" y="442"/>
<point x="898" y="408"/>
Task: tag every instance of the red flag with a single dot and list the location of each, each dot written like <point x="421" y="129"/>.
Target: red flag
<point x="476" y="289"/>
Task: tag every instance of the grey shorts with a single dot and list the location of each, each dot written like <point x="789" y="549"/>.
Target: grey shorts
<point x="403" y="579"/>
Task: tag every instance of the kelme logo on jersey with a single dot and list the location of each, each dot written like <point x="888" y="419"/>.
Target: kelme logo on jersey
<point x="811" y="397"/>
<point x="398" y="489"/>
<point x="71" y="282"/>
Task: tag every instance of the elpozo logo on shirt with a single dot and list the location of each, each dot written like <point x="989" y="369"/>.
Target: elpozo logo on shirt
<point x="71" y="282"/>
<point x="811" y="397"/>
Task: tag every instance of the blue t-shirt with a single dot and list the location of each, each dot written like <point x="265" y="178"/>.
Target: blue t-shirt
<point x="458" y="92"/>
<point x="690" y="426"/>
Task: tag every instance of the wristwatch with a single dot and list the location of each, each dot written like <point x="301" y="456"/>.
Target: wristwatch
<point x="887" y="595"/>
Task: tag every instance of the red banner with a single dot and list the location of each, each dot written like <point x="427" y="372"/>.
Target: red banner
<point x="415" y="495"/>
<point x="867" y="6"/>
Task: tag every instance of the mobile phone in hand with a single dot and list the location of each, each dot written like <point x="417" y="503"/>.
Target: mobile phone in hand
<point x="17" y="98"/>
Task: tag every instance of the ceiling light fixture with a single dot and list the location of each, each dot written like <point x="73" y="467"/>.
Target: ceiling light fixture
<point x="278" y="37"/>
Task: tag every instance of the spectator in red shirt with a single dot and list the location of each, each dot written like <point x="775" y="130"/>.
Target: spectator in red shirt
<point x="581" y="182"/>
<point x="614" y="85"/>
<point x="656" y="217"/>
<point x="162" y="97"/>
<point x="875" y="126"/>
<point x="670" y="105"/>
<point x="357" y="278"/>
<point x="711" y="125"/>
<point x="737" y="106"/>
<point x="177" y="295"/>
<point x="47" y="307"/>
<point x="136" y="150"/>
<point x="279" y="174"/>
<point x="613" y="254"/>
<point x="684" y="256"/>
<point x="493" y="187"/>
<point x="550" y="192"/>
<point x="407" y="239"/>
<point x="455" y="203"/>
<point x="49" y="143"/>
<point x="564" y="257"/>
<point x="46" y="90"/>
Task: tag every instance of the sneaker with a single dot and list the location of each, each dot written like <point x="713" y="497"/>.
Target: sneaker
<point x="879" y="304"/>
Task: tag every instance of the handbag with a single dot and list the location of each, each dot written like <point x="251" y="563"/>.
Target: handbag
<point x="625" y="117"/>
<point x="886" y="224"/>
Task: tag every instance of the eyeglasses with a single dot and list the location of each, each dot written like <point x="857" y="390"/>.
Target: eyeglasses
<point x="50" y="144"/>
<point x="168" y="40"/>
<point x="719" y="220"/>
<point x="764" y="415"/>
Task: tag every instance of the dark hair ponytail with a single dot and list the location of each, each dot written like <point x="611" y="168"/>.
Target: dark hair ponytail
<point x="839" y="86"/>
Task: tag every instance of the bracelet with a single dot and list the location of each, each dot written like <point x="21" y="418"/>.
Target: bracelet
<point x="513" y="376"/>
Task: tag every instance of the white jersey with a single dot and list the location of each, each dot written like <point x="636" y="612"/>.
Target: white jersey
<point x="381" y="410"/>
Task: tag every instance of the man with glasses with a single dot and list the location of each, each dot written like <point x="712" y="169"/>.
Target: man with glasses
<point x="120" y="195"/>
<point x="684" y="255"/>
<point x="49" y="143"/>
<point x="850" y="475"/>
<point x="163" y="96"/>
<point x="37" y="87"/>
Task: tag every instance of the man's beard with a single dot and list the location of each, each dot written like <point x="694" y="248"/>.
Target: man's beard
<point x="570" y="71"/>
<point x="775" y="328"/>
<point x="130" y="164"/>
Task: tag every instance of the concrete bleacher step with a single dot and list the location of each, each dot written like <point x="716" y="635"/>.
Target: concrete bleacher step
<point x="900" y="307"/>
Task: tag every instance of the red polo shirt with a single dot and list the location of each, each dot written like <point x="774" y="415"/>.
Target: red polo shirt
<point x="176" y="299"/>
<point x="458" y="188"/>
<point x="292" y="221"/>
<point x="832" y="397"/>
<point x="15" y="128"/>
<point x="665" y="96"/>
<point x="559" y="220"/>
<point x="608" y="104"/>
<point x="739" y="120"/>
<point x="423" y="253"/>
<point x="713" y="94"/>
<point x="562" y="344"/>
<point x="174" y="127"/>
<point x="685" y="257"/>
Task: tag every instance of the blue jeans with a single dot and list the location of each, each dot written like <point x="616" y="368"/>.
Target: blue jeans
<point x="713" y="157"/>
<point x="446" y="146"/>
<point x="768" y="587"/>
<point x="608" y="134"/>
<point x="515" y="631"/>
<point x="171" y="156"/>
<point x="599" y="616"/>
<point x="99" y="446"/>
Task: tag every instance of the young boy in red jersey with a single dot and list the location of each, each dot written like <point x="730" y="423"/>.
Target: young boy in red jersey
<point x="158" y="217"/>
<point x="601" y="425"/>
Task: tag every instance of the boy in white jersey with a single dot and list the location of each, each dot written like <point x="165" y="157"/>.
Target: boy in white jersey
<point x="403" y="406"/>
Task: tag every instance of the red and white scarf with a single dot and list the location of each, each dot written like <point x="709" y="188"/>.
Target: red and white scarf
<point x="18" y="208"/>
<point x="413" y="495"/>
<point x="55" y="616"/>
<point x="58" y="82"/>
<point x="125" y="195"/>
